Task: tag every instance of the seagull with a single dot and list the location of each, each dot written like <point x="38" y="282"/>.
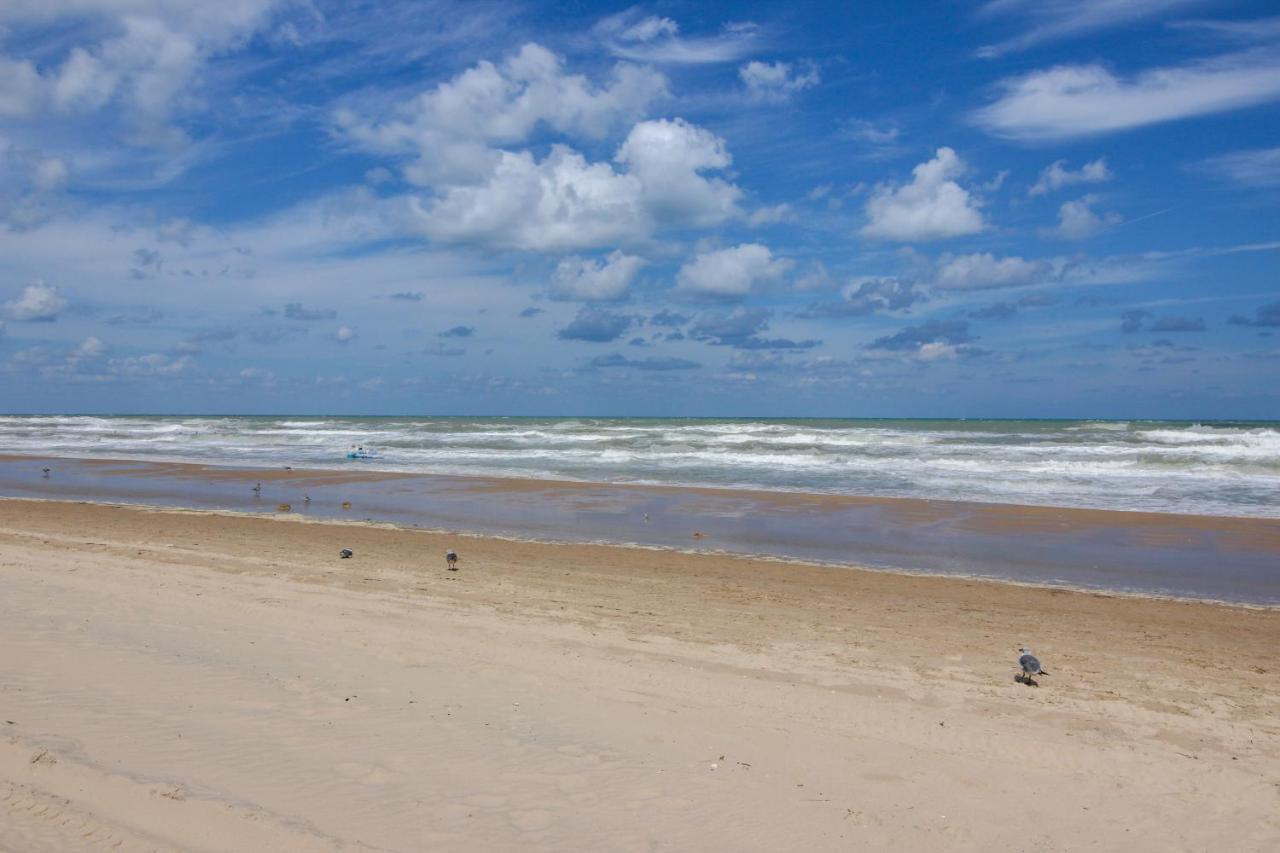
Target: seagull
<point x="46" y="471"/>
<point x="451" y="560"/>
<point x="257" y="490"/>
<point x="306" y="499"/>
<point x="1030" y="665"/>
<point x="345" y="553"/>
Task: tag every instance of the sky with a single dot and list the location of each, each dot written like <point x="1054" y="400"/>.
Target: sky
<point x="1010" y="208"/>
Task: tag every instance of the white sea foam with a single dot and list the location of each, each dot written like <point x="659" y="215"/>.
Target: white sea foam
<point x="1214" y="468"/>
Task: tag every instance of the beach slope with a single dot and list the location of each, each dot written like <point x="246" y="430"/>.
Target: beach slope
<point x="196" y="681"/>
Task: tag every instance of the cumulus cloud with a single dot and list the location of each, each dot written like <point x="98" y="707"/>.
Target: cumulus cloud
<point x="669" y="157"/>
<point x="931" y="206"/>
<point x="1267" y="315"/>
<point x="1071" y="101"/>
<point x="39" y="303"/>
<point x="1056" y="176"/>
<point x="870" y="294"/>
<point x="1077" y="221"/>
<point x="596" y="325"/>
<point x="606" y="280"/>
<point x="777" y="80"/>
<point x="565" y="203"/>
<point x="457" y="332"/>
<point x="144" y="67"/>
<point x="741" y="329"/>
<point x="450" y="128"/>
<point x="934" y="331"/>
<point x="730" y="273"/>
<point x="984" y="271"/>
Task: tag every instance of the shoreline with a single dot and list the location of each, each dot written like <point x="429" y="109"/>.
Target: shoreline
<point x="1216" y="558"/>
<point x="230" y="471"/>
<point x="925" y="574"/>
<point x="203" y="680"/>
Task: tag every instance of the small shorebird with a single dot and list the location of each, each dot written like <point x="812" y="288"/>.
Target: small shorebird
<point x="45" y="471"/>
<point x="257" y="490"/>
<point x="345" y="553"/>
<point x="306" y="499"/>
<point x="1030" y="666"/>
<point x="451" y="560"/>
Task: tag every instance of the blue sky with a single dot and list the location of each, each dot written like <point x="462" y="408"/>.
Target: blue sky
<point x="1002" y="209"/>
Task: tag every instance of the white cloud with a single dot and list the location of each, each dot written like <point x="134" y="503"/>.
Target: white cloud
<point x="561" y="203"/>
<point x="868" y="131"/>
<point x="452" y="127"/>
<point x="344" y="334"/>
<point x="258" y="374"/>
<point x="147" y="62"/>
<point x="1076" y="219"/>
<point x="1259" y="167"/>
<point x="1052" y="20"/>
<point x="1083" y="100"/>
<point x="50" y="174"/>
<point x="777" y="79"/>
<point x="932" y="206"/>
<point x="158" y="364"/>
<point x="771" y="215"/>
<point x="565" y="203"/>
<point x="983" y="271"/>
<point x="669" y="157"/>
<point x="593" y="280"/>
<point x="632" y="35"/>
<point x="647" y="29"/>
<point x="1056" y="176"/>
<point x="90" y="347"/>
<point x="731" y="273"/>
<point x="39" y="302"/>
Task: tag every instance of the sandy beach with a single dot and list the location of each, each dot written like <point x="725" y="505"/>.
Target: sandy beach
<point x="201" y="681"/>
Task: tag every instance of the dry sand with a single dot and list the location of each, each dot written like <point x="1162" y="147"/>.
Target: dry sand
<point x="194" y="681"/>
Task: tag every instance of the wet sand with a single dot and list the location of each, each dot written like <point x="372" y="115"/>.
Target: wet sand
<point x="198" y="681"/>
<point x="1204" y="557"/>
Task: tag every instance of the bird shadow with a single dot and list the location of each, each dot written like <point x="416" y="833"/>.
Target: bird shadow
<point x="1027" y="680"/>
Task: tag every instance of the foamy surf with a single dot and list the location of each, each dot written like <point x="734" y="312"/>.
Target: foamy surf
<point x="1214" y="468"/>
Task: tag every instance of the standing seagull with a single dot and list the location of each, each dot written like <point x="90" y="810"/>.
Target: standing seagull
<point x="451" y="560"/>
<point x="46" y="471"/>
<point x="1030" y="665"/>
<point x="257" y="490"/>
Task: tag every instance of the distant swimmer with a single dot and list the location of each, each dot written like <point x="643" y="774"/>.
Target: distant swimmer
<point x="451" y="560"/>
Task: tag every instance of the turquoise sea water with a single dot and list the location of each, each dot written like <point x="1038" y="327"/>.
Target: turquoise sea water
<point x="1214" y="468"/>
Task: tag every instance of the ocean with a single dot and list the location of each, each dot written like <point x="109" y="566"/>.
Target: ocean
<point x="1219" y="468"/>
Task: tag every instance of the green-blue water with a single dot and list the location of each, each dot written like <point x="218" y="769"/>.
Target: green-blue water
<point x="1214" y="468"/>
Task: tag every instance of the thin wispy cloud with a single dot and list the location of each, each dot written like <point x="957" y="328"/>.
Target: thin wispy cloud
<point x="1258" y="167"/>
<point x="1046" y="21"/>
<point x="649" y="38"/>
<point x="1072" y="101"/>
